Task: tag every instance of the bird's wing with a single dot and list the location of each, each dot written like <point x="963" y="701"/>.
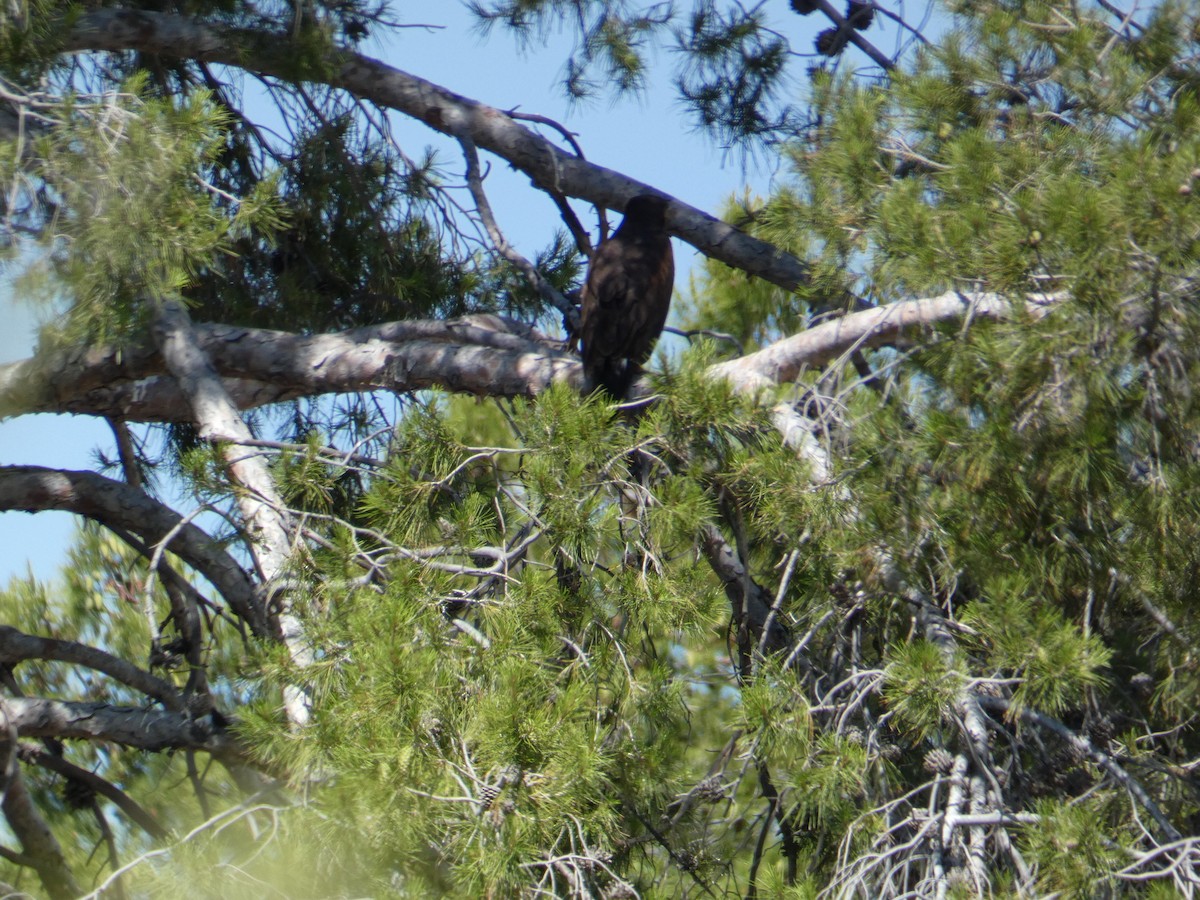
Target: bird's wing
<point x="625" y="299"/>
<point x="608" y="294"/>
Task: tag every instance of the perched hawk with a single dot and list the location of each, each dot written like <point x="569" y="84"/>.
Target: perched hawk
<point x="626" y="296"/>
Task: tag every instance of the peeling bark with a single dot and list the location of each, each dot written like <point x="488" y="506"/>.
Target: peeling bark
<point x="263" y="511"/>
<point x="482" y="355"/>
<point x="140" y="727"/>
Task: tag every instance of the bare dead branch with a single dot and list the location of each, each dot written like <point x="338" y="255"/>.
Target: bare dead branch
<point x="545" y="290"/>
<point x="483" y="355"/>
<point x="186" y="604"/>
<point x="583" y="241"/>
<point x="817" y="346"/>
<point x="268" y="528"/>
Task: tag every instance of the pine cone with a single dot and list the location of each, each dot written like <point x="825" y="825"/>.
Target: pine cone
<point x="487" y="794"/>
<point x="1101" y="731"/>
<point x="861" y="15"/>
<point x="804" y="7"/>
<point x="710" y="790"/>
<point x="828" y="44"/>
<point x="938" y="761"/>
<point x="77" y="795"/>
<point x="1142" y="684"/>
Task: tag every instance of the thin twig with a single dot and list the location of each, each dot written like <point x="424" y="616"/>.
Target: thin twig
<point x="545" y="290"/>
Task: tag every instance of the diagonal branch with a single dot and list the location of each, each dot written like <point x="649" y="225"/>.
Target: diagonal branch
<point x="847" y="32"/>
<point x="545" y="290"/>
<point x="1084" y="746"/>
<point x="783" y="360"/>
<point x="38" y="842"/>
<point x="751" y="603"/>
<point x="552" y="169"/>
<point x="216" y="416"/>
<point x="31" y="753"/>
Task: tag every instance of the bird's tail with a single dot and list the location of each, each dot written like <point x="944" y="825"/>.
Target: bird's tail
<point x="615" y="376"/>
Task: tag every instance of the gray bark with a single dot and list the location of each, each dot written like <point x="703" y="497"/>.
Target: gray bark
<point x="264" y="514"/>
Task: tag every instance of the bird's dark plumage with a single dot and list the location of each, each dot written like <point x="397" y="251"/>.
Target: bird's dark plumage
<point x="627" y="295"/>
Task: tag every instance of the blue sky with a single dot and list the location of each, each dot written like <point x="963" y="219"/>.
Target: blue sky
<point x="647" y="138"/>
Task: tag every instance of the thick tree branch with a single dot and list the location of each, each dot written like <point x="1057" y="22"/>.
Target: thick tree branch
<point x="33" y="489"/>
<point x="783" y="360"/>
<point x="16" y="646"/>
<point x="216" y="417"/>
<point x="145" y="729"/>
<point x="551" y="168"/>
<point x="483" y="355"/>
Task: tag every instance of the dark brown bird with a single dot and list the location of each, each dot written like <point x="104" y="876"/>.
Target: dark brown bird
<point x="627" y="295"/>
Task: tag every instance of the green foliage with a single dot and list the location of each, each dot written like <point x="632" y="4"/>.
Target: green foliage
<point x="534" y="622"/>
<point x="733" y="72"/>
<point x="354" y="245"/>
<point x="1027" y="638"/>
<point x="730" y="302"/>
<point x="31" y="41"/>
<point x="106" y="599"/>
<point x="133" y="222"/>
<point x="921" y="687"/>
<point x="613" y="37"/>
<point x="475" y="747"/>
<point x="732" y="61"/>
<point x="1074" y="853"/>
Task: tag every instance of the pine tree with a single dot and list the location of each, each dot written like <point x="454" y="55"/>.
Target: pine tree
<point x="883" y="588"/>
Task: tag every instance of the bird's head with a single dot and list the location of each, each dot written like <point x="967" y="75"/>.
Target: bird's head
<point x="647" y="210"/>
